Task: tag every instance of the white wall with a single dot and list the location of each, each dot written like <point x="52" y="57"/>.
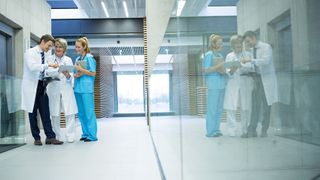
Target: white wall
<point x="253" y="15"/>
<point x="26" y="17"/>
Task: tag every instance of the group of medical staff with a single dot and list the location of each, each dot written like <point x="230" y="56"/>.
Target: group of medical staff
<point x="249" y="83"/>
<point x="49" y="89"/>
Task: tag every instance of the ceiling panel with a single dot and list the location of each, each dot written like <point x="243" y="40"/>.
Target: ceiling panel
<point x="223" y="3"/>
<point x="62" y="4"/>
<point x="115" y="8"/>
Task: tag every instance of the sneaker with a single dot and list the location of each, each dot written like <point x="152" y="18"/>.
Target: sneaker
<point x="70" y="140"/>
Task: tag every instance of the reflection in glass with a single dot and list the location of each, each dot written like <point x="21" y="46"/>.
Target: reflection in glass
<point x="159" y="93"/>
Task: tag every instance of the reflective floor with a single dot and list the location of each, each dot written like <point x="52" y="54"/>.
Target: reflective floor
<point x="227" y="157"/>
<point x="125" y="151"/>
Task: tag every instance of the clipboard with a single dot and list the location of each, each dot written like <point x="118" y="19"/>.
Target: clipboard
<point x="68" y="68"/>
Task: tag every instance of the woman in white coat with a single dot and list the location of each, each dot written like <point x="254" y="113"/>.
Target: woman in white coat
<point x="239" y="88"/>
<point x="60" y="93"/>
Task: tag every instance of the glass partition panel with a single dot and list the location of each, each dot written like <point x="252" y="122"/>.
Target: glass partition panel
<point x="12" y="123"/>
<point x="246" y="106"/>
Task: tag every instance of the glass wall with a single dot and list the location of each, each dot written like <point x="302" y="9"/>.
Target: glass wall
<point x="12" y="125"/>
<point x="266" y="98"/>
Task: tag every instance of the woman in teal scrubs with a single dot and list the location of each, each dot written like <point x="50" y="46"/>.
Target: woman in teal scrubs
<point x="215" y="79"/>
<point x="84" y="90"/>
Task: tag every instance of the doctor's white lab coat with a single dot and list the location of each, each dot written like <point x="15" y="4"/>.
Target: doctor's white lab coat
<point x="60" y="93"/>
<point x="264" y="62"/>
<point x="32" y="66"/>
<point x="239" y="87"/>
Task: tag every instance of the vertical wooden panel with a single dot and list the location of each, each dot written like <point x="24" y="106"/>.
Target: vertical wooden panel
<point x="146" y="73"/>
<point x="97" y="92"/>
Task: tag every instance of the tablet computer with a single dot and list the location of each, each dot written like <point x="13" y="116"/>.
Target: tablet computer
<point x="68" y="68"/>
<point x="231" y="64"/>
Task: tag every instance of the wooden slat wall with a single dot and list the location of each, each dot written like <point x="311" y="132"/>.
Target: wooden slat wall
<point x="62" y="120"/>
<point x="106" y="85"/>
<point x="202" y="94"/>
<point x="180" y="81"/>
<point x="97" y="92"/>
<point x="146" y="73"/>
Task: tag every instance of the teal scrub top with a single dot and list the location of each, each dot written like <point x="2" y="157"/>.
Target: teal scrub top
<point x="85" y="83"/>
<point x="214" y="80"/>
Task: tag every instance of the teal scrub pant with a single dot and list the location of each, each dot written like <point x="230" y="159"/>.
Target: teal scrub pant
<point x="87" y="116"/>
<point x="214" y="111"/>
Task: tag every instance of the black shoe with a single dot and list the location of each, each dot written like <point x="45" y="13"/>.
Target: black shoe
<point x="37" y="142"/>
<point x="216" y="135"/>
<point x="219" y="134"/>
<point x="244" y="135"/>
<point x="54" y="141"/>
<point x="264" y="134"/>
<point x="83" y="139"/>
<point x="249" y="135"/>
<point x="87" y="140"/>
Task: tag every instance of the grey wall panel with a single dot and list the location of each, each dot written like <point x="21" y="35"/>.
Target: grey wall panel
<point x="67" y="27"/>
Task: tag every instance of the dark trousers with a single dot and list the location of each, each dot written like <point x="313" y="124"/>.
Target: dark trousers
<point x="259" y="107"/>
<point x="41" y="103"/>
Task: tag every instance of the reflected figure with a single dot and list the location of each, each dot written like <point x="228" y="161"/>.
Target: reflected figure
<point x="215" y="80"/>
<point x="60" y="92"/>
<point x="239" y="87"/>
<point x="7" y="122"/>
<point x="265" y="91"/>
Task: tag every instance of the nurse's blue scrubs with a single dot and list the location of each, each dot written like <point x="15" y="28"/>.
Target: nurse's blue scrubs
<point x="84" y="93"/>
<point x="216" y="87"/>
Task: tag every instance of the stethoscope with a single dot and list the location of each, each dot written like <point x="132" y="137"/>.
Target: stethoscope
<point x="57" y="61"/>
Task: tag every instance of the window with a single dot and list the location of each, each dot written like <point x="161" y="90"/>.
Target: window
<point x="130" y="92"/>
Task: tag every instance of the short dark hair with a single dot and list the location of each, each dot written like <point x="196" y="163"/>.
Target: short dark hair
<point x="249" y="34"/>
<point x="46" y="38"/>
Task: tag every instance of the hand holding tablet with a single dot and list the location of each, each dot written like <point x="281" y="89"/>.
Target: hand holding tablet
<point x="69" y="68"/>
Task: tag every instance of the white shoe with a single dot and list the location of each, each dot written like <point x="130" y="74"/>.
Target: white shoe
<point x="69" y="140"/>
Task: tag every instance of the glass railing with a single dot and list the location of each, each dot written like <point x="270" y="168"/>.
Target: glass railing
<point x="12" y="127"/>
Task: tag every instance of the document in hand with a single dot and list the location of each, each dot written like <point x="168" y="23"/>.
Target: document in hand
<point x="83" y="64"/>
<point x="231" y="64"/>
<point x="68" y="68"/>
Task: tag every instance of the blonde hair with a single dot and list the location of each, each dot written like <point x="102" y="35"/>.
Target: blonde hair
<point x="85" y="43"/>
<point x="213" y="39"/>
<point x="235" y="39"/>
<point x="63" y="43"/>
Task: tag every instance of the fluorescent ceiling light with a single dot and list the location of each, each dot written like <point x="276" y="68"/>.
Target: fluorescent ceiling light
<point x="125" y="8"/>
<point x="181" y="4"/>
<point x="68" y="14"/>
<point x="219" y="11"/>
<point x="105" y="9"/>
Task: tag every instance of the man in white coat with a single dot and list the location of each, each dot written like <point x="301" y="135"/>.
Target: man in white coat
<point x="34" y="97"/>
<point x="60" y="93"/>
<point x="265" y="91"/>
